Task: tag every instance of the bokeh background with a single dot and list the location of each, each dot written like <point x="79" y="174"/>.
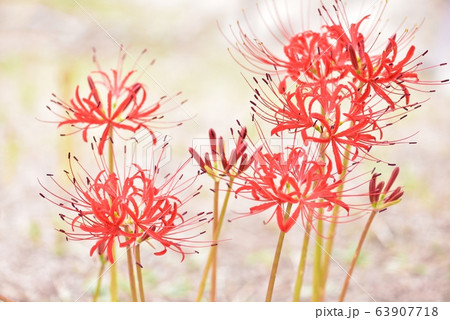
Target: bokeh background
<point x="46" y="47"/>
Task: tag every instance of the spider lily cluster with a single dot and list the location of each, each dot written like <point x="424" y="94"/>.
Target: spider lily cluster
<point x="330" y="95"/>
<point x="334" y="92"/>
<point x="123" y="204"/>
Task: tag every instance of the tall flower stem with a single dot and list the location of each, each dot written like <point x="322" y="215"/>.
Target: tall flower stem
<point x="332" y="228"/>
<point x="276" y="258"/>
<point x="208" y="264"/>
<point x="214" y="249"/>
<point x="99" y="278"/>
<point x="137" y="253"/>
<point x="131" y="274"/>
<point x="356" y="254"/>
<point x="113" y="285"/>
<point x="302" y="263"/>
<point x="318" y="270"/>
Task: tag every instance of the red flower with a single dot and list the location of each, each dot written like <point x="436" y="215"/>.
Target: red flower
<point x="108" y="209"/>
<point x="382" y="74"/>
<point x="334" y="118"/>
<point x="309" y="56"/>
<point x="279" y="182"/>
<point x="313" y="57"/>
<point x="124" y="105"/>
<point x="340" y="51"/>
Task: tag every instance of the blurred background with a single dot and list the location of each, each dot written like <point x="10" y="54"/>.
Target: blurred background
<point x="46" y="47"/>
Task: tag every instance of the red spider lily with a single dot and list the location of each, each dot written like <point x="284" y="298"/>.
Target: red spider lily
<point x="336" y="119"/>
<point x="124" y="106"/>
<point x="108" y="209"/>
<point x="217" y="164"/>
<point x="382" y="73"/>
<point x="309" y="56"/>
<point x="339" y="51"/>
<point x="313" y="57"/>
<point x="307" y="187"/>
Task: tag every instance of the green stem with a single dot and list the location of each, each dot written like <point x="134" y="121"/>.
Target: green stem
<point x="202" y="286"/>
<point x="214" y="249"/>
<point x="99" y="278"/>
<point x="276" y="258"/>
<point x="302" y="264"/>
<point x="139" y="272"/>
<point x="356" y="255"/>
<point x="333" y="225"/>
<point x="113" y="286"/>
<point x="131" y="274"/>
<point x="318" y="270"/>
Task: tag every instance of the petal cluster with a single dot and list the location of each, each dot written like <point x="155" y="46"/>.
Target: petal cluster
<point x="340" y="86"/>
<point x="335" y="90"/>
<point x="139" y="207"/>
<point x="112" y="102"/>
<point x="292" y="186"/>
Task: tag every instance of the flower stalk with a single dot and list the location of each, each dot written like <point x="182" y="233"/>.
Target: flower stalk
<point x="202" y="286"/>
<point x="318" y="267"/>
<point x="137" y="253"/>
<point x="220" y="167"/>
<point x="302" y="263"/>
<point x="113" y="269"/>
<point x="215" y="235"/>
<point x="131" y="276"/>
<point x="381" y="197"/>
<point x="332" y="231"/>
<point x="356" y="255"/>
<point x="276" y="258"/>
<point x="99" y="278"/>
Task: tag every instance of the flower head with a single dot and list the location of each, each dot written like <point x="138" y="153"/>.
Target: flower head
<point x="339" y="86"/>
<point x="138" y="207"/>
<point x="292" y="185"/>
<point x="377" y="66"/>
<point x="113" y="102"/>
<point x="333" y="117"/>
<point x="340" y="51"/>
